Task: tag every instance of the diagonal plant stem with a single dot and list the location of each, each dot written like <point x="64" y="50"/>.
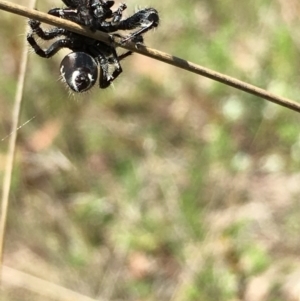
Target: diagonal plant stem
<point x="12" y="145"/>
<point x="18" y="279"/>
<point x="153" y="53"/>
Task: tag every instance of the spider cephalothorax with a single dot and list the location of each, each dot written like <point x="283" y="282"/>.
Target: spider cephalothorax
<point x="79" y="69"/>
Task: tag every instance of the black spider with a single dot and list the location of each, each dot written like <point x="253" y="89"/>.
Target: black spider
<point x="79" y="69"/>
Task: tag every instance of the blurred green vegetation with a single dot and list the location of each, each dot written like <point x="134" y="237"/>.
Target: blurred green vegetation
<point x="167" y="186"/>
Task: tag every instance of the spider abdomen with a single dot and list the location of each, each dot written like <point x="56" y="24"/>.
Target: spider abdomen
<point x="79" y="70"/>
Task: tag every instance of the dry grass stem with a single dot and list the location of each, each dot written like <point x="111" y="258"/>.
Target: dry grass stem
<point x="153" y="53"/>
<point x="12" y="144"/>
<point x="18" y="279"/>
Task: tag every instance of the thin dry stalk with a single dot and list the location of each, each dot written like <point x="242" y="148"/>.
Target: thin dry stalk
<point x="153" y="53"/>
<point x="15" y="278"/>
<point x="12" y="145"/>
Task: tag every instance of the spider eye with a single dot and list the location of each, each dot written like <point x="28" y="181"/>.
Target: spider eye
<point x="79" y="70"/>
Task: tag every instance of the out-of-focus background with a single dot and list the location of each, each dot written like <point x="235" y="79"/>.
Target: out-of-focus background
<point x="167" y="186"/>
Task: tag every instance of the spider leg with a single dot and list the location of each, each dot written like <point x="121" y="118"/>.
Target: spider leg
<point x="114" y="61"/>
<point x="117" y="15"/>
<point x="63" y="12"/>
<point x="104" y="79"/>
<point x="109" y="26"/>
<point x="53" y="49"/>
<point x="77" y="11"/>
<point x="124" y="55"/>
<point x="79" y="16"/>
<point x="109" y="63"/>
<point x="105" y="3"/>
<point x="71" y="3"/>
<point x="137" y="39"/>
<point x="45" y="34"/>
<point x="146" y="19"/>
<point x="101" y="9"/>
<point x="70" y="12"/>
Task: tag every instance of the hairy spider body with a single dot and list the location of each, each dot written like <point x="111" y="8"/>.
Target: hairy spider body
<point x="79" y="69"/>
<point x="73" y="67"/>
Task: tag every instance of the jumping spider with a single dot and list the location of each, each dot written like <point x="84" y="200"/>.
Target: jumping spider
<point x="79" y="69"/>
